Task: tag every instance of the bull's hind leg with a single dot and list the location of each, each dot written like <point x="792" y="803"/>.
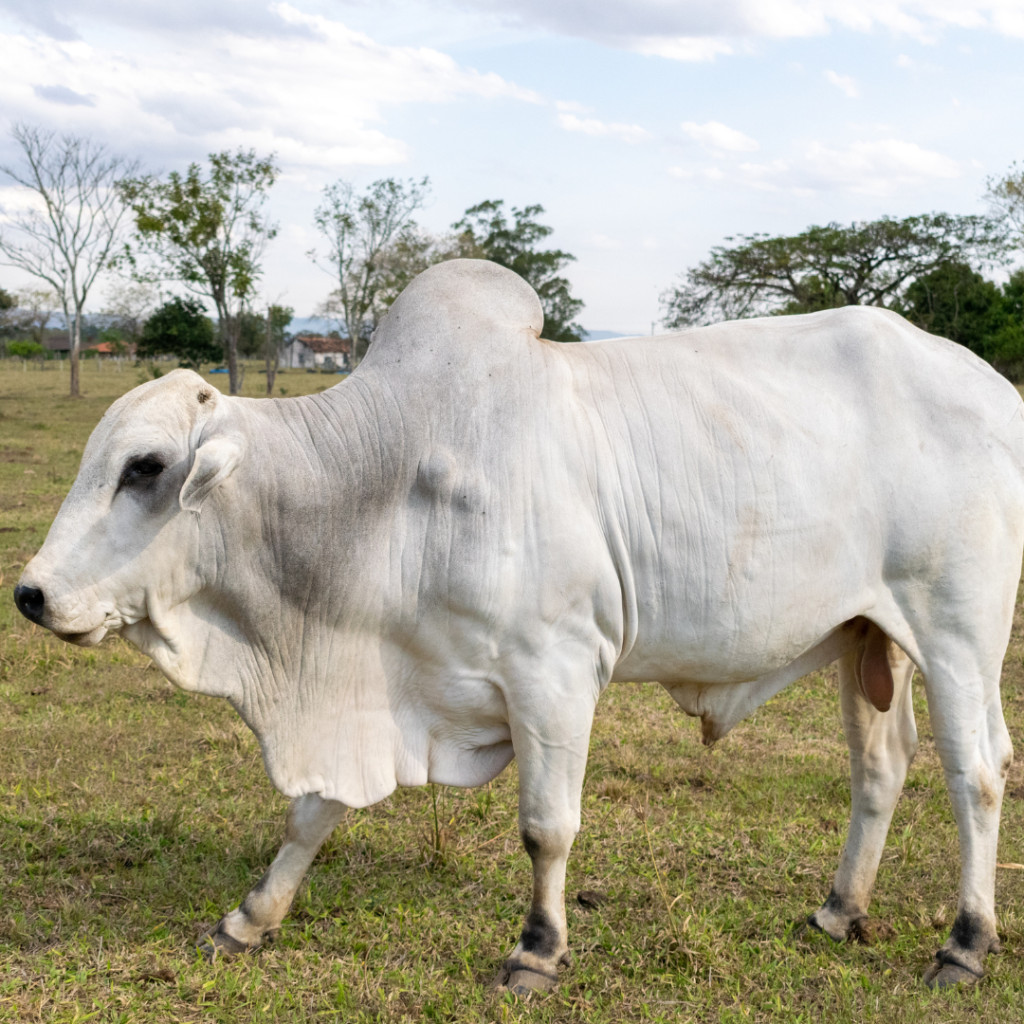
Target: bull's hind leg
<point x="882" y="745"/>
<point x="976" y="754"/>
<point x="311" y="820"/>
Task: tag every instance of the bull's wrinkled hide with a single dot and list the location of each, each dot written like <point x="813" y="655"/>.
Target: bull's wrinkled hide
<point x="382" y="576"/>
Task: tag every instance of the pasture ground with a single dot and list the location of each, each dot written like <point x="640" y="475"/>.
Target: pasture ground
<point x="133" y="815"/>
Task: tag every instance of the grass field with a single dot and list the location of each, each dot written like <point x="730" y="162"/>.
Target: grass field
<point x="133" y="815"/>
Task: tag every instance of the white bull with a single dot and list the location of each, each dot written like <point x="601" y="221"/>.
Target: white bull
<point x="442" y="562"/>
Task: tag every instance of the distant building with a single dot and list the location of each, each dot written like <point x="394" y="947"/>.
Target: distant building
<point x="316" y="352"/>
<point x="108" y="350"/>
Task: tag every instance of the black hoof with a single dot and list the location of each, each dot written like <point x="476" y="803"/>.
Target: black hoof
<point x="521" y="980"/>
<point x="947" y="974"/>
<point x="219" y="944"/>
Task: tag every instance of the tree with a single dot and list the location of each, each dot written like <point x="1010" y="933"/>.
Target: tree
<point x="128" y="304"/>
<point x="71" y="234"/>
<point x="262" y="335"/>
<point x="208" y="230"/>
<point x="1006" y="195"/>
<point x="7" y="303"/>
<point x="359" y="229"/>
<point x="484" y="231"/>
<point x="866" y="263"/>
<point x="276" y="323"/>
<point x="26" y="349"/>
<point x="180" y="327"/>
<point x="33" y="310"/>
<point x="956" y="302"/>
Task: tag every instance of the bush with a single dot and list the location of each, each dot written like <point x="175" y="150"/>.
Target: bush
<point x="26" y="349"/>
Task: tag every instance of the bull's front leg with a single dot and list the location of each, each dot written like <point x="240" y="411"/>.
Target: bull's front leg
<point x="551" y="750"/>
<point x="311" y="820"/>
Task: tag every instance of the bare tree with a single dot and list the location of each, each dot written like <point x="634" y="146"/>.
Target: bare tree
<point x="1006" y="196"/>
<point x="128" y="304"/>
<point x="35" y="308"/>
<point x="360" y="229"/>
<point x="69" y="234"/>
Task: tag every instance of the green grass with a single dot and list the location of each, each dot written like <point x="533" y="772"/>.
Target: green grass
<point x="132" y="816"/>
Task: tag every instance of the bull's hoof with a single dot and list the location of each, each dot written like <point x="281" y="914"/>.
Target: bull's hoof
<point x="522" y="980"/>
<point x="219" y="943"/>
<point x="838" y="927"/>
<point x="947" y="974"/>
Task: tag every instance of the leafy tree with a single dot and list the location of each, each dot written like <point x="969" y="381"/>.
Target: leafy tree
<point x="866" y="263"/>
<point x="486" y="232"/>
<point x="180" y="327"/>
<point x="7" y="303"/>
<point x="359" y="230"/>
<point x="1005" y="349"/>
<point x="70" y="235"/>
<point x="262" y="334"/>
<point x="251" y="334"/>
<point x="276" y="321"/>
<point x="1006" y="196"/>
<point x="956" y="302"/>
<point x="26" y="349"/>
<point x="208" y="230"/>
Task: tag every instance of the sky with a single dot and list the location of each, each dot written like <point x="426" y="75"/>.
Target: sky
<point x="649" y="131"/>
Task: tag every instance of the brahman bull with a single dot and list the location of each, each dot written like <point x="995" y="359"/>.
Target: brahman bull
<point x="440" y="563"/>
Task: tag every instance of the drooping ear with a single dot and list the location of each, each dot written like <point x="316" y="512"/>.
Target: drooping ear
<point x="214" y="462"/>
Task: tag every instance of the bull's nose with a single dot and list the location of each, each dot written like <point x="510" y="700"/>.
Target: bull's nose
<point x="30" y="602"/>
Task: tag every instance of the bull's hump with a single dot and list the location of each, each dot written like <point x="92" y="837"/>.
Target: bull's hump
<point x="459" y="312"/>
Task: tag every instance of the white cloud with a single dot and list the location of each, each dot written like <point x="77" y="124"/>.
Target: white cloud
<point x="700" y="30"/>
<point x="879" y="168"/>
<point x="844" y="83"/>
<point x="685" y="48"/>
<point x="315" y="92"/>
<point x="631" y="133"/>
<point x="716" y="136"/>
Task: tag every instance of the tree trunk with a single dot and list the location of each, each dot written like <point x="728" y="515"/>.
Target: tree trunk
<point x="270" y="353"/>
<point x="229" y="336"/>
<point x="75" y="342"/>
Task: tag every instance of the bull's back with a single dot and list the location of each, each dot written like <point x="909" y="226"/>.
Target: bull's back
<point x="760" y="479"/>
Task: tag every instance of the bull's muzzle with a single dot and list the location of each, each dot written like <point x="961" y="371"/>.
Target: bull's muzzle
<point x="31" y="603"/>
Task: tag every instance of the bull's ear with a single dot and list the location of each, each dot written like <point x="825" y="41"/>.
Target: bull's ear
<point x="214" y="462"/>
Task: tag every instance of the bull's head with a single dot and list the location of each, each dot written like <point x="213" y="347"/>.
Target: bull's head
<point x="148" y="467"/>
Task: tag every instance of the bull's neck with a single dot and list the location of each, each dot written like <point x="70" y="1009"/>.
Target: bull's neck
<point x="348" y="437"/>
<point x="310" y="505"/>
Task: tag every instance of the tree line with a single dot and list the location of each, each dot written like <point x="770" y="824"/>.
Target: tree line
<point x="207" y="229"/>
<point x="926" y="267"/>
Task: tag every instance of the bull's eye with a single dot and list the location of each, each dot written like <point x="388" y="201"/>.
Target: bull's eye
<point x="140" y="471"/>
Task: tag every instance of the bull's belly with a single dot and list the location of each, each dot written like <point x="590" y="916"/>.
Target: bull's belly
<point x="722" y="688"/>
